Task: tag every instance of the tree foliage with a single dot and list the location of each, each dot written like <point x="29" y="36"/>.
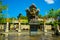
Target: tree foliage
<point x="53" y="13"/>
<point x="2" y="16"/>
<point x="21" y="16"/>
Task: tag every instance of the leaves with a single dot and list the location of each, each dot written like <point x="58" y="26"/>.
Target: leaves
<point x="0" y="2"/>
<point x="53" y="13"/>
<point x="2" y="18"/>
<point x="40" y="16"/>
<point x="4" y="7"/>
<point x="21" y="16"/>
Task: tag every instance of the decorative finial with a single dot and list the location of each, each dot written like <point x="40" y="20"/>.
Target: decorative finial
<point x="33" y="6"/>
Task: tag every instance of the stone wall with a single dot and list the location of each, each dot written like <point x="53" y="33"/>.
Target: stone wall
<point x="25" y="27"/>
<point x="48" y="27"/>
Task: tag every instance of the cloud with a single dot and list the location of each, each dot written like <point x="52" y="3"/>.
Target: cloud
<point x="50" y="1"/>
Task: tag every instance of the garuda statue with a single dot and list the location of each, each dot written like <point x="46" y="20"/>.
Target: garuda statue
<point x="32" y="12"/>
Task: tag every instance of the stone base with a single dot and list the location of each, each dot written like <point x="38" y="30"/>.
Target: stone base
<point x="19" y="30"/>
<point x="33" y="33"/>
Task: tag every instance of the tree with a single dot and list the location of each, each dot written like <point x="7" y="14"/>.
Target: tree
<point x="2" y="16"/>
<point x="21" y="16"/>
<point x="2" y="7"/>
<point x="51" y="13"/>
<point x="58" y="12"/>
<point x="58" y="16"/>
<point x="12" y="19"/>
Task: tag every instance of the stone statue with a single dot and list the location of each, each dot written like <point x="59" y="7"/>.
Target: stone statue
<point x="32" y="12"/>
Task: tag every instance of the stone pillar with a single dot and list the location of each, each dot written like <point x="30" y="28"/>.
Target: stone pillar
<point x="19" y="29"/>
<point x="45" y="25"/>
<point x="7" y="27"/>
<point x="45" y="28"/>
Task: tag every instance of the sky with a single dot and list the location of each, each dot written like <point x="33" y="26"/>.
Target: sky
<point x="19" y="6"/>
